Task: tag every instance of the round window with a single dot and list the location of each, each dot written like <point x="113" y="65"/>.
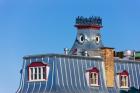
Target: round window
<point x="97" y="39"/>
<point x="81" y="38"/>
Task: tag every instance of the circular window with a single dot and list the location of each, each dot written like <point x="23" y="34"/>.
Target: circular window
<point x="81" y="38"/>
<point x="97" y="39"/>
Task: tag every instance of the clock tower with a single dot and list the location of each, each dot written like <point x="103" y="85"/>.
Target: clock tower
<point x="88" y="39"/>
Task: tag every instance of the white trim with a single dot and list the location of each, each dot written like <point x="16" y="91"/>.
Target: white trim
<point x="83" y="72"/>
<point x="133" y="75"/>
<point x="85" y="61"/>
<point x="28" y="77"/>
<point x="61" y="72"/>
<point x="34" y="82"/>
<point x="124" y="66"/>
<point x="57" y="74"/>
<point x="23" y="75"/>
<point x="100" y="80"/>
<point x="39" y="87"/>
<point x="41" y="72"/>
<point x="47" y="76"/>
<point x="52" y="74"/>
<point x="139" y="73"/>
<point x="70" y="73"/>
<point x="90" y="63"/>
<point x="74" y="73"/>
<point x="118" y="80"/>
<point x="124" y="87"/>
<point x="87" y="78"/>
<point x="94" y="85"/>
<point x="129" y="76"/>
<point x="136" y="76"/>
<point x="104" y="74"/>
<point x="78" y="73"/>
<point x="40" y="82"/>
<point x="66" y="73"/>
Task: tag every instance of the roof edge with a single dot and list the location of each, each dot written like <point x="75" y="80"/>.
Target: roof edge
<point x="60" y="55"/>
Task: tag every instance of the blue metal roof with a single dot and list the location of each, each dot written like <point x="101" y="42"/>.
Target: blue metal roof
<point x="67" y="74"/>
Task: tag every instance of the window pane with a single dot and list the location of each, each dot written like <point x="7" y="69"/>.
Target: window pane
<point x="124" y="81"/>
<point x="39" y="74"/>
<point x="35" y="75"/>
<point x="90" y="75"/>
<point x="31" y="73"/>
<point x="44" y="72"/>
<point x="93" y="78"/>
<point x="91" y="81"/>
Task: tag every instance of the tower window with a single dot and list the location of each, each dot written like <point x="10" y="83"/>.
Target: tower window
<point x="81" y="38"/>
<point x="38" y="71"/>
<point x="92" y="76"/>
<point x="97" y="38"/>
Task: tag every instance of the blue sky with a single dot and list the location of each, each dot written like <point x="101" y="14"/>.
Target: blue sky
<point x="46" y="26"/>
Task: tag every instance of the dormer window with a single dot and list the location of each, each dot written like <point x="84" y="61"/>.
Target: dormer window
<point x="92" y="76"/>
<point x="123" y="79"/>
<point x="38" y="71"/>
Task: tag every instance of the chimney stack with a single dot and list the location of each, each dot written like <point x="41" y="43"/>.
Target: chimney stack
<point x="108" y="58"/>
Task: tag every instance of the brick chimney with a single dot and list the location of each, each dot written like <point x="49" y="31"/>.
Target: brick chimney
<point x="108" y="58"/>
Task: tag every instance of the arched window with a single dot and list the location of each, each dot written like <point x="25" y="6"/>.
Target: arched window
<point x="124" y="78"/>
<point x="38" y="71"/>
<point x="93" y="76"/>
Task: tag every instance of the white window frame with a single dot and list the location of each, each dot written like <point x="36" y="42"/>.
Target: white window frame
<point x="38" y="74"/>
<point x="96" y="81"/>
<point x="125" y="86"/>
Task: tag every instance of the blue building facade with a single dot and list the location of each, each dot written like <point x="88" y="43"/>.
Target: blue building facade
<point x="88" y="67"/>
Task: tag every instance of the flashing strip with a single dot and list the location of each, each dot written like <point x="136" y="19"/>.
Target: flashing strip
<point x="23" y="74"/>
<point x="48" y="77"/>
<point x="66" y="73"/>
<point x="52" y="75"/>
<point x="70" y="74"/>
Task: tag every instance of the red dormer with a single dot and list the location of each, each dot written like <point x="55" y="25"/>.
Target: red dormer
<point x="124" y="79"/>
<point x="37" y="64"/>
<point x="92" y="75"/>
<point x="38" y="71"/>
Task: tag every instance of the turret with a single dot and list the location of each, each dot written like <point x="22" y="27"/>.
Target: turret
<point x="88" y="36"/>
